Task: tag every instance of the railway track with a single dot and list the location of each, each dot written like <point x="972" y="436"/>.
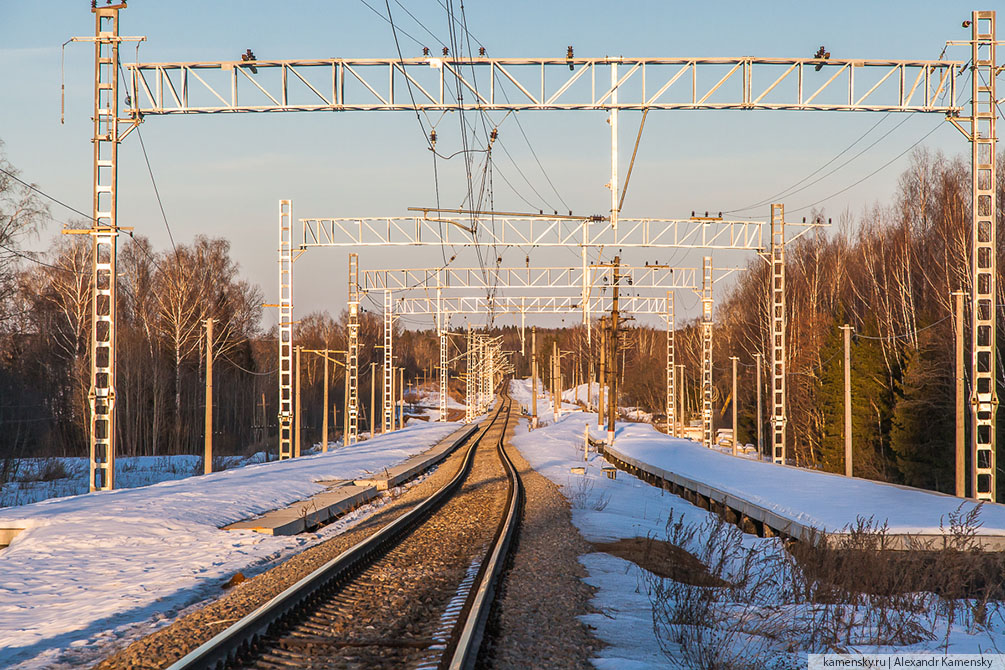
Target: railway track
<point x="415" y="594"/>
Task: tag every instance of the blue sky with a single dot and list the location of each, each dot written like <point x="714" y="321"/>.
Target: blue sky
<point x="223" y="175"/>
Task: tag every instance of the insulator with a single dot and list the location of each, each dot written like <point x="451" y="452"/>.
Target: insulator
<point x="425" y="51"/>
<point x="481" y="51"/>
<point x="446" y="51"/>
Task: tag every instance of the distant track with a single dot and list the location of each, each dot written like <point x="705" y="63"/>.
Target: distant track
<point x="417" y="593"/>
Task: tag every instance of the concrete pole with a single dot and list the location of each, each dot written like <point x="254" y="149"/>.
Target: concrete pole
<point x="533" y="377"/>
<point x="324" y="407"/>
<point x="735" y="433"/>
<point x="345" y="404"/>
<point x="760" y="416"/>
<point x="296" y="421"/>
<point x="208" y="455"/>
<point x="373" y="399"/>
<point x="848" y="469"/>
<point x="961" y="427"/>
<point x="556" y="392"/>
<point x="680" y="400"/>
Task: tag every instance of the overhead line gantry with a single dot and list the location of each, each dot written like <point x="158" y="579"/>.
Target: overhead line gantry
<point x="607" y="84"/>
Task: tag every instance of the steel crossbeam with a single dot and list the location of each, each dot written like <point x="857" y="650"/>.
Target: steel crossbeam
<point x="500" y="305"/>
<point x="537" y="231"/>
<point x="599" y="276"/>
<point x="504" y="84"/>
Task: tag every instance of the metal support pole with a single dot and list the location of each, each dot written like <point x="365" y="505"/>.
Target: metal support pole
<point x="778" y="418"/>
<point x="351" y="433"/>
<point x="707" y="431"/>
<point x="401" y="397"/>
<point x="207" y="458"/>
<point x="345" y="406"/>
<point x="324" y="407"/>
<point x="983" y="332"/>
<point x="612" y="400"/>
<point x="533" y="377"/>
<point x="961" y="429"/>
<point x="388" y="403"/>
<point x="603" y="374"/>
<point x="104" y="232"/>
<point x="556" y="390"/>
<point x="614" y="146"/>
<point x="760" y="415"/>
<point x="296" y="418"/>
<point x="735" y="433"/>
<point x="671" y="395"/>
<point x="285" y="329"/>
<point x="848" y="462"/>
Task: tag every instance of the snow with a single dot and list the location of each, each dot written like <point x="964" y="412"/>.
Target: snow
<point x="95" y="569"/>
<point x="826" y="501"/>
<point x="605" y="510"/>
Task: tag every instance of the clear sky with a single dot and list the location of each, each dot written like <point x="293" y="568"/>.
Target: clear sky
<point x="223" y="175"/>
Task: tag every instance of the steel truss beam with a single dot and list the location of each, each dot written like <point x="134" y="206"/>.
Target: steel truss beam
<point x="538" y="231"/>
<point x="660" y="277"/>
<point x="499" y="305"/>
<point x="388" y="84"/>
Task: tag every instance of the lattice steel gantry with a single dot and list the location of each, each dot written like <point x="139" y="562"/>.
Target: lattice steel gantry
<point x="535" y="83"/>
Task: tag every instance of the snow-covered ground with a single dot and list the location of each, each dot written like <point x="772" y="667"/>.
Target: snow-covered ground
<point x="92" y="569"/>
<point x="42" y="478"/>
<point x="605" y="510"/>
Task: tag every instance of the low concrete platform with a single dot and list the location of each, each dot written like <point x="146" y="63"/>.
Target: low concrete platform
<point x="417" y="464"/>
<point x="344" y="496"/>
<point x="771" y="512"/>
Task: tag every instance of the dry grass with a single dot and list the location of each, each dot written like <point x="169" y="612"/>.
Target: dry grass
<point x="763" y="601"/>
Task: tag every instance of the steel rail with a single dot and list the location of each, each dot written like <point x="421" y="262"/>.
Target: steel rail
<point x="240" y="639"/>
<point x="462" y="651"/>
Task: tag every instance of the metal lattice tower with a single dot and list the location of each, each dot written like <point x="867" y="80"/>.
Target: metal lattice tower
<point x="104" y="231"/>
<point x="706" y="352"/>
<point x="777" y="319"/>
<point x="984" y="395"/>
<point x="444" y="371"/>
<point x="352" y="356"/>
<point x="671" y="368"/>
<point x="388" y="363"/>
<point x="470" y="379"/>
<point x="285" y="329"/>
